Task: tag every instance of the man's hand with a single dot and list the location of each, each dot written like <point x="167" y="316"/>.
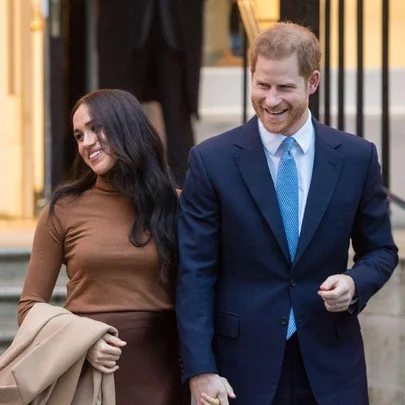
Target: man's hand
<point x="103" y="355"/>
<point x="337" y="291"/>
<point x="210" y="389"/>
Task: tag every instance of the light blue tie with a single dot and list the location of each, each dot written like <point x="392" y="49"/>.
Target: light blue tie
<point x="287" y="195"/>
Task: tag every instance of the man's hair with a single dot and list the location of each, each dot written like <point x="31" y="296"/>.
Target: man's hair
<point x="284" y="39"/>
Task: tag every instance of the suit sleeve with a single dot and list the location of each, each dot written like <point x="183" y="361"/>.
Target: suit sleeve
<point x="376" y="254"/>
<point x="198" y="235"/>
<point x="45" y="262"/>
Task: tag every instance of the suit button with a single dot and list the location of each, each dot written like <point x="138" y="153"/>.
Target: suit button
<point x="293" y="283"/>
<point x="283" y="320"/>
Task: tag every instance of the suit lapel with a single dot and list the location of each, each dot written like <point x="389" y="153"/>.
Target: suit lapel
<point x="328" y="163"/>
<point x="252" y="163"/>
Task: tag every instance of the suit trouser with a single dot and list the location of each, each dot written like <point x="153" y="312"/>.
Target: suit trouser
<point x="293" y="387"/>
<point x="153" y="72"/>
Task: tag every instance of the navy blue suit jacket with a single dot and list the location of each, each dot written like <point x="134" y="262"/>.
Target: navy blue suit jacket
<point x="236" y="282"/>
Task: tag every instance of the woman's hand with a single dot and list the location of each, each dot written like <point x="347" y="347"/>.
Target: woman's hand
<point x="104" y="354"/>
<point x="207" y="400"/>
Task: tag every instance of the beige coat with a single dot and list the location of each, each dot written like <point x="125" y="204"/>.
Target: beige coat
<point x="44" y="363"/>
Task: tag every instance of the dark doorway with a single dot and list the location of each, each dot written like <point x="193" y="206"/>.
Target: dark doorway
<point x="67" y="82"/>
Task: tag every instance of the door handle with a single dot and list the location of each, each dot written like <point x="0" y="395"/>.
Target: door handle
<point x="37" y="22"/>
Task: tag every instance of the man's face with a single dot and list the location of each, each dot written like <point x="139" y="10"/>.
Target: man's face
<point x="280" y="96"/>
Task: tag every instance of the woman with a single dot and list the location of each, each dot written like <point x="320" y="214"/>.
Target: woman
<point x="114" y="229"/>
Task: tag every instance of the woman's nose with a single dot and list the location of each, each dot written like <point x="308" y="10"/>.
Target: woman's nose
<point x="89" y="139"/>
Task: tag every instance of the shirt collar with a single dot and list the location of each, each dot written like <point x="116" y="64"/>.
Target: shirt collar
<point x="304" y="137"/>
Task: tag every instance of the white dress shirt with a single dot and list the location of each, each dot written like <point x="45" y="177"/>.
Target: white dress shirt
<point x="303" y="151"/>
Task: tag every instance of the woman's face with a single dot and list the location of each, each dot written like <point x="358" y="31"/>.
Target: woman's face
<point x="95" y="154"/>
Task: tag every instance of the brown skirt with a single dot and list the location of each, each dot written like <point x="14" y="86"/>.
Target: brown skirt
<point x="149" y="368"/>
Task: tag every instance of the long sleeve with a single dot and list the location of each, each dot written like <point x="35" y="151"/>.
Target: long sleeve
<point x="45" y="262"/>
<point x="198" y="233"/>
<point x="376" y="254"/>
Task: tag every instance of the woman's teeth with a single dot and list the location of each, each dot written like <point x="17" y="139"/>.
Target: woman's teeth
<point x="94" y="154"/>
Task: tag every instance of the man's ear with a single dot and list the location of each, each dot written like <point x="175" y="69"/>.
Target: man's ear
<point x="313" y="82"/>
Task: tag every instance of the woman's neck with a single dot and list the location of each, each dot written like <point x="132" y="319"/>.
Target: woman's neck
<point x="103" y="183"/>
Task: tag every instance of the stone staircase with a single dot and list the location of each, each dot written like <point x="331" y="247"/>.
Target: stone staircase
<point x="13" y="266"/>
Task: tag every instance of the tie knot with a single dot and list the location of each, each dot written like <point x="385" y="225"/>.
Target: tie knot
<point x="288" y="143"/>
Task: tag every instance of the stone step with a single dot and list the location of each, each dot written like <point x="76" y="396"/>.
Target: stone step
<point x="14" y="264"/>
<point x="9" y="297"/>
<point x="13" y="268"/>
<point x="6" y="337"/>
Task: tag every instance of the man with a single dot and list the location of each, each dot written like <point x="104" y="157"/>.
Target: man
<point x="266" y="216"/>
<point x="153" y="48"/>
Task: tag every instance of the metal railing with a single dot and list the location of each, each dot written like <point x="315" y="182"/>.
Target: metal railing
<point x="310" y="15"/>
<point x="398" y="201"/>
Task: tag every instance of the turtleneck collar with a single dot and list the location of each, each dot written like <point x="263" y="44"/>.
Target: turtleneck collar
<point x="102" y="184"/>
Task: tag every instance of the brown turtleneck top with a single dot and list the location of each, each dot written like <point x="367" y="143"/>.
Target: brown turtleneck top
<point x="106" y="272"/>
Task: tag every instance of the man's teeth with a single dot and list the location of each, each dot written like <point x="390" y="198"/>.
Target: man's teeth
<point x="275" y="112"/>
<point x="94" y="154"/>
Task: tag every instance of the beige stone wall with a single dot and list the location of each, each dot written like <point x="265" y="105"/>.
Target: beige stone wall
<point x="383" y="328"/>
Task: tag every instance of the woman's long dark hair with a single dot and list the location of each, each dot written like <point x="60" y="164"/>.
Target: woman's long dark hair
<point x="141" y="172"/>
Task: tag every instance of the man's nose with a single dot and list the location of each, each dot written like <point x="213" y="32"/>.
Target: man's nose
<point x="272" y="98"/>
